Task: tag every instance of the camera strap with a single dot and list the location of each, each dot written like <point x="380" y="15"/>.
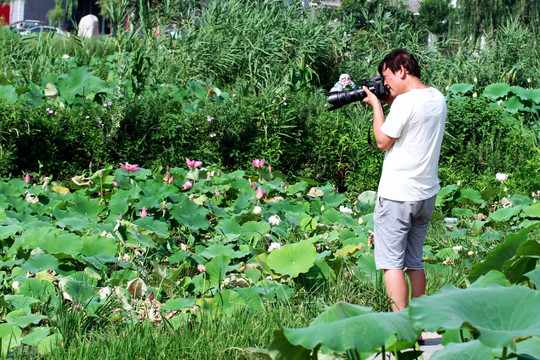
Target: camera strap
<point x="370" y="143"/>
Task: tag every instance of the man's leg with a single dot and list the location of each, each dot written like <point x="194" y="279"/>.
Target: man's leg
<point x="418" y="282"/>
<point x="397" y="288"/>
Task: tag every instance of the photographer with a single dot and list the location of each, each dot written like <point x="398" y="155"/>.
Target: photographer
<point x="411" y="135"/>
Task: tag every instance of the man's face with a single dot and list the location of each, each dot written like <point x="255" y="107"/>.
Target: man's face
<point x="393" y="81"/>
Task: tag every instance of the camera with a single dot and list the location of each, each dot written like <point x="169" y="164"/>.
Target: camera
<point x="340" y="98"/>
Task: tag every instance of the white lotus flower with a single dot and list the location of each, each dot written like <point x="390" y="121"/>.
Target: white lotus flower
<point x="274" y="220"/>
<point x="274" y="246"/>
<point x="257" y="209"/>
<point x="501" y="177"/>
<point x="345" y="209"/>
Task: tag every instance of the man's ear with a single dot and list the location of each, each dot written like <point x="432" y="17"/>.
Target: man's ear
<point x="401" y="72"/>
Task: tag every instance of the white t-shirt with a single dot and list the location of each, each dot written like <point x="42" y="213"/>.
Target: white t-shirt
<point x="410" y="167"/>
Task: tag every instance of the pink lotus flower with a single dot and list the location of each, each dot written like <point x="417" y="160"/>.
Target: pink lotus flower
<point x="258" y="163"/>
<point x="129" y="167"/>
<point x="143" y="212"/>
<point x="171" y="179"/>
<point x="201" y="268"/>
<point x="260" y="193"/>
<point x="193" y="163"/>
<point x="187" y="185"/>
<point x="254" y="186"/>
<point x="115" y="184"/>
<point x="27" y="178"/>
<point x="501" y="177"/>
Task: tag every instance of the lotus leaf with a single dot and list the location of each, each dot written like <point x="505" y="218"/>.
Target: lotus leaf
<point x="525" y="260"/>
<point x="218" y="268"/>
<point x="530" y="347"/>
<point x="218" y="249"/>
<point x="534" y="276"/>
<point x="99" y="245"/>
<point x="470" y="196"/>
<point x="40" y="262"/>
<point x="36" y="336"/>
<point x="255" y="230"/>
<point x="178" y="304"/>
<point x="505" y="214"/>
<point x="501" y="315"/>
<point x="190" y="215"/>
<point x="80" y="291"/>
<point x="46" y="345"/>
<point x="495" y="258"/>
<point x="21" y="302"/>
<point x="157" y="227"/>
<point x="293" y="259"/>
<point x="473" y="350"/>
<point x="229" y="228"/>
<point x="532" y="211"/>
<point x="85" y="206"/>
<point x="21" y="319"/>
<point x="53" y="241"/>
<point x="496" y="91"/>
<point x="461" y="88"/>
<point x="37" y="289"/>
<point x="80" y="82"/>
<point x="513" y="105"/>
<point x="362" y="333"/>
<point x="10" y="336"/>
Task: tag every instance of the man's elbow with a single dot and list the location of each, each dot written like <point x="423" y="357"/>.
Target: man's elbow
<point x="385" y="144"/>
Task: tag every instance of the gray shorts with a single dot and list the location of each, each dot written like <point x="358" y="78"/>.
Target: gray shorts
<point x="400" y="228"/>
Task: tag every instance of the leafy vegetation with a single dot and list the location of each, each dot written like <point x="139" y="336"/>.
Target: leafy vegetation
<point x="264" y="249"/>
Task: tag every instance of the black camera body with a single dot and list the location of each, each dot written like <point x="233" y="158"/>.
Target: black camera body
<point x="340" y="98"/>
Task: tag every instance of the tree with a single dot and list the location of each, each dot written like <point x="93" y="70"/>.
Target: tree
<point x="435" y="15"/>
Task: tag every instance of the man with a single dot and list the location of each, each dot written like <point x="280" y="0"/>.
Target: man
<point x="411" y="135"/>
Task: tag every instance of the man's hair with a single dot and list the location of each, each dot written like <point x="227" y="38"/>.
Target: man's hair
<point x="396" y="58"/>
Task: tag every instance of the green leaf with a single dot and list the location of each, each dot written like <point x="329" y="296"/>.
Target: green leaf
<point x="178" y="304"/>
<point x="532" y="211"/>
<point x="513" y="105"/>
<point x="197" y="90"/>
<point x="84" y="206"/>
<point x="48" y="344"/>
<point x="40" y="262"/>
<point x="219" y="249"/>
<point x="160" y="228"/>
<point x="461" y="88"/>
<point x="10" y="335"/>
<point x="293" y="259"/>
<point x="299" y="187"/>
<point x="79" y="82"/>
<point x="229" y="228"/>
<point x="190" y="215"/>
<point x="470" y="196"/>
<point x="36" y="336"/>
<point x="255" y="230"/>
<point x="472" y="350"/>
<point x="534" y="276"/>
<point x="506" y="313"/>
<point x="8" y="94"/>
<point x="21" y="302"/>
<point x="21" y="319"/>
<point x="37" y="289"/>
<point x="496" y="91"/>
<point x="98" y="245"/>
<point x="504" y="214"/>
<point x="495" y="258"/>
<point x="53" y="241"/>
<point x="363" y="333"/>
<point x="530" y="347"/>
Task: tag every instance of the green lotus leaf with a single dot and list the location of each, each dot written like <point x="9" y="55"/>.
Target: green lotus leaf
<point x="8" y="94"/>
<point x="461" y="88"/>
<point x="504" y="214"/>
<point x="229" y="228"/>
<point x="84" y="206"/>
<point x="534" y="276"/>
<point x="472" y="350"/>
<point x="37" y="289"/>
<point x="79" y="82"/>
<point x="496" y="91"/>
<point x="36" y="336"/>
<point x="493" y="277"/>
<point x="299" y="187"/>
<point x="281" y="348"/>
<point x="80" y="291"/>
<point x="530" y="347"/>
<point x="339" y="311"/>
<point x="157" y="227"/>
<point x="197" y="89"/>
<point x="524" y="261"/>
<point x="218" y="268"/>
<point x="53" y="241"/>
<point x="470" y="196"/>
<point x="190" y="215"/>
<point x="9" y="230"/>
<point x="11" y="337"/>
<point x="21" y="319"/>
<point x="499" y="314"/>
<point x="178" y="304"/>
<point x="333" y="198"/>
<point x="496" y="258"/>
<point x="98" y="245"/>
<point x="532" y="211"/>
<point x="513" y="105"/>
<point x="40" y="262"/>
<point x="48" y="344"/>
<point x="21" y="302"/>
<point x="255" y="230"/>
<point x="363" y="333"/>
<point x="219" y="249"/>
<point x="229" y="301"/>
<point x="293" y="259"/>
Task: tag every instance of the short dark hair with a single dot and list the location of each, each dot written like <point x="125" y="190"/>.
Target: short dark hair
<point x="396" y="58"/>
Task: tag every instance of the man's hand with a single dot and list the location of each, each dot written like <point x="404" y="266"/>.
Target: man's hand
<point x="384" y="142"/>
